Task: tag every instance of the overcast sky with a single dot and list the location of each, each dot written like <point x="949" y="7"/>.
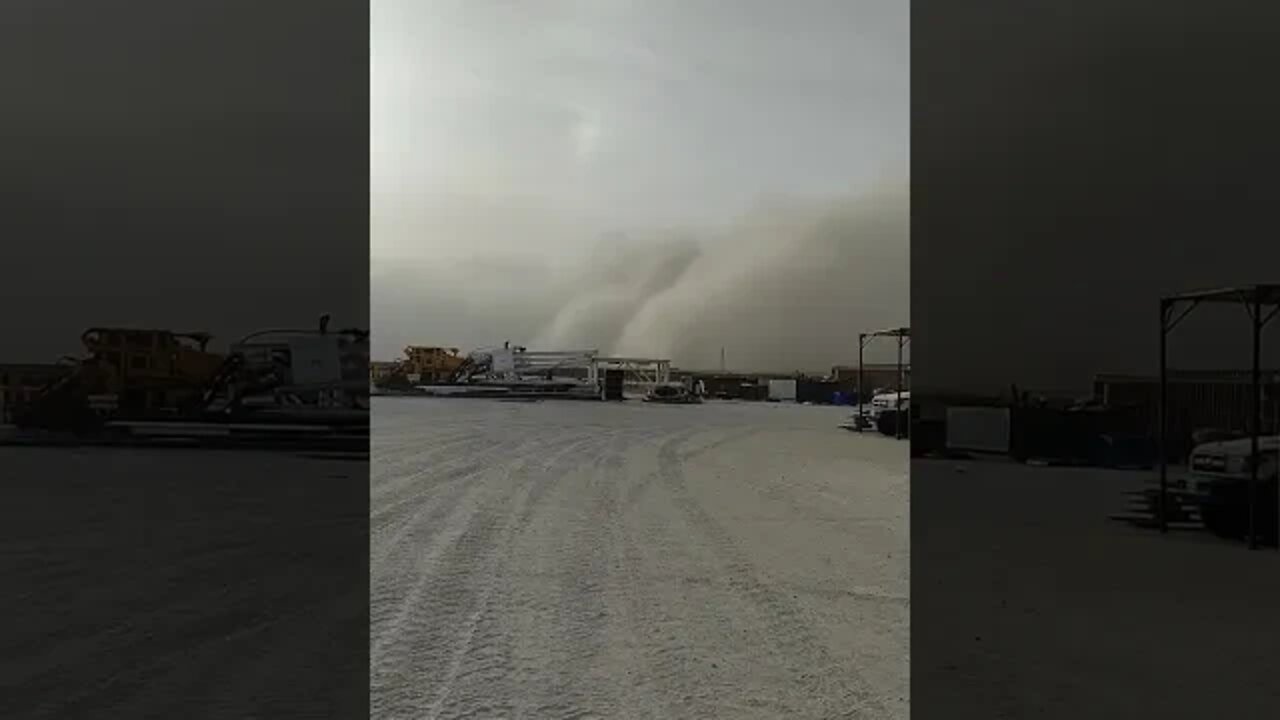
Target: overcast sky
<point x="1060" y="196"/>
<point x="638" y="174"/>
<point x="195" y="166"/>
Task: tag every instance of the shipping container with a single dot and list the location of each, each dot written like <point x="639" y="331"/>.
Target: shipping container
<point x="782" y="390"/>
<point x="978" y="429"/>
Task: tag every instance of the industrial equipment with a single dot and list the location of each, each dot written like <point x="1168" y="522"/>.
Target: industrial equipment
<point x="294" y="374"/>
<point x="419" y="365"/>
<point x="672" y="394"/>
<point x="516" y="371"/>
<point x="141" y="373"/>
<point x="158" y="375"/>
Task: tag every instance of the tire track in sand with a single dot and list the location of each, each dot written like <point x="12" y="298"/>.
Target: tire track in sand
<point x="486" y="679"/>
<point x="835" y="688"/>
<point x="441" y="628"/>
<point x="510" y="673"/>
<point x="686" y="636"/>
<point x="572" y="601"/>
<point x="420" y="515"/>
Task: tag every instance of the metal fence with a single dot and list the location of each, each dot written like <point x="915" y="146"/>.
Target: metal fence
<point x="1200" y="401"/>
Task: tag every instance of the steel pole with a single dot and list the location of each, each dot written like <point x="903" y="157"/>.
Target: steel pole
<point x="862" y="343"/>
<point x="1163" y="409"/>
<point x="1255" y="426"/>
<point x="897" y="401"/>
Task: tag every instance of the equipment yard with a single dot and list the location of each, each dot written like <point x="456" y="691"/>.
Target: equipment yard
<point x="635" y="560"/>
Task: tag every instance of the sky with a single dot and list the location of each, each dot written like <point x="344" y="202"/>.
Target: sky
<point x="199" y="167"/>
<point x="659" y="178"/>
<point x="1057" y="198"/>
<point x="651" y="178"/>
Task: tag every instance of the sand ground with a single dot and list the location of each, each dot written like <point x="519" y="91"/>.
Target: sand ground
<point x="600" y="560"/>
<point x="181" y="584"/>
<point x="1030" y="602"/>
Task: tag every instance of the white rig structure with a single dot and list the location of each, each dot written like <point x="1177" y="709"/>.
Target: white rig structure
<point x="578" y="373"/>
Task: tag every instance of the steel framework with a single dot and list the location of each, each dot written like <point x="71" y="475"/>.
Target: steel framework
<point x="519" y="361"/>
<point x="1173" y="309"/>
<point x="903" y="336"/>
<point x="647" y="372"/>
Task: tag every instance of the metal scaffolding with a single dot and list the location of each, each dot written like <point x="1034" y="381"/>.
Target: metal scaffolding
<point x="646" y="372"/>
<point x="1173" y="309"/>
<point x="902" y="336"/>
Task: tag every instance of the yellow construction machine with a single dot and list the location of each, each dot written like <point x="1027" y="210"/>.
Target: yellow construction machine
<point x="134" y="372"/>
<point x="139" y="375"/>
<point x="420" y="365"/>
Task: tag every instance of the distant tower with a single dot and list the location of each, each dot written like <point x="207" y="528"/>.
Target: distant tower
<point x="722" y="359"/>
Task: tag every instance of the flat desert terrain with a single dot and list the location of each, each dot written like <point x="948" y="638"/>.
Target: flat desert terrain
<point x="149" y="583"/>
<point x="566" y="559"/>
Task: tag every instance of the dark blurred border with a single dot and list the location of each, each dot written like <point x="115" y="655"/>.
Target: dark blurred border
<point x="1072" y="164"/>
<point x="192" y="167"/>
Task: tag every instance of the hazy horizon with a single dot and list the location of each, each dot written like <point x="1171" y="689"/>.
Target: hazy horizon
<point x="651" y="179"/>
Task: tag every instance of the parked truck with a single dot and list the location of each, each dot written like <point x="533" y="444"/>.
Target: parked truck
<point x="1219" y="486"/>
<point x="868" y="415"/>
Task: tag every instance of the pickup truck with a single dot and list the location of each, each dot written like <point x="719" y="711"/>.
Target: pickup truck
<point x="1218" y="484"/>
<point x="867" y="417"/>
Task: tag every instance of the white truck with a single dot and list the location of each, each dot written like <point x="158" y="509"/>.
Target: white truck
<point x="885" y="401"/>
<point x="867" y="416"/>
<point x="1218" y="485"/>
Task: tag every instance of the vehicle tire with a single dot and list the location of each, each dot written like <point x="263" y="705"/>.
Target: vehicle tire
<point x="1223" y="521"/>
<point x="1269" y="517"/>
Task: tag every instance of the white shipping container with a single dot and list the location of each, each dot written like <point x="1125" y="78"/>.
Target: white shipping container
<point x="504" y="362"/>
<point x="316" y="360"/>
<point x="978" y="429"/>
<point x="783" y="390"/>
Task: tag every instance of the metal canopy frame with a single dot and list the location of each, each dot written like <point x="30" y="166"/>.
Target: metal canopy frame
<point x="647" y="372"/>
<point x="1173" y="310"/>
<point x="903" y="336"/>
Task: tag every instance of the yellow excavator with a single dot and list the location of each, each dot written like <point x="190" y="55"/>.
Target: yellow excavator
<point x="140" y="373"/>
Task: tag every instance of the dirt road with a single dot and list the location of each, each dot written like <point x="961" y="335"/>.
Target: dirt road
<point x="593" y="560"/>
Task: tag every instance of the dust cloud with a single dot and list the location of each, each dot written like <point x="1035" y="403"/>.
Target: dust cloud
<point x="786" y="287"/>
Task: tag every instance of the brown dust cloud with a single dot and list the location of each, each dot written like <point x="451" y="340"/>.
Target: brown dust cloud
<point x="787" y="286"/>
